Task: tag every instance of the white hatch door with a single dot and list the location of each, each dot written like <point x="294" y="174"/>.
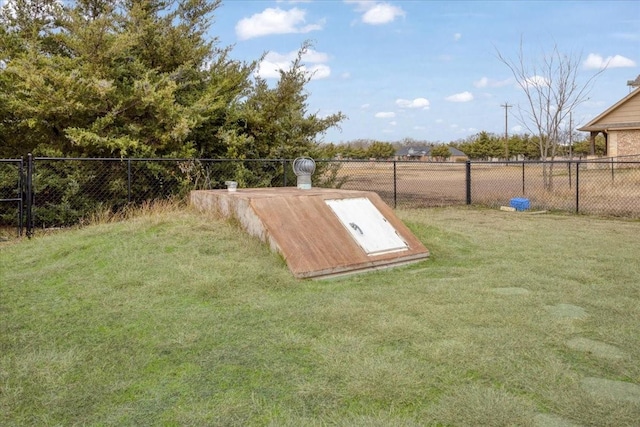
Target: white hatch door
<point x="367" y="225"/>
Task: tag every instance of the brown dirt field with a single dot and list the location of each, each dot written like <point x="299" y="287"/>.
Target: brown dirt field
<point x="603" y="190"/>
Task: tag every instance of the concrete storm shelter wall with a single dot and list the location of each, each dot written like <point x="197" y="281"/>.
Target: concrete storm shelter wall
<point x="320" y="232"/>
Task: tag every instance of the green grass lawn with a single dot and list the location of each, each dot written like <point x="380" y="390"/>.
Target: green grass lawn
<point x="173" y="318"/>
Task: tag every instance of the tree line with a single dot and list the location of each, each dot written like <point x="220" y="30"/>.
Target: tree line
<point x="490" y="146"/>
<point x="481" y="146"/>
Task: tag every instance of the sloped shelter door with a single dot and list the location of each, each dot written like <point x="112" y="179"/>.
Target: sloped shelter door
<point x="368" y="227"/>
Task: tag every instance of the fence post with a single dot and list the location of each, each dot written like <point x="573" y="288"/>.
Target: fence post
<point x="577" y="186"/>
<point x="21" y="196"/>
<point x="523" y="177"/>
<point x="612" y="173"/>
<point x="29" y="196"/>
<point x="395" y="185"/>
<point x="569" y="165"/>
<point x="468" y="179"/>
<point x="129" y="180"/>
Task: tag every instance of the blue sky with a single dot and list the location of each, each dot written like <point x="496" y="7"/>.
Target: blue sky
<point x="428" y="70"/>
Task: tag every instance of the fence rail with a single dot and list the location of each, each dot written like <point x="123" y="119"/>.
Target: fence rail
<point x="46" y="192"/>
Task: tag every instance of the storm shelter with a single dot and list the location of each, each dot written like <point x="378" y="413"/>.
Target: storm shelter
<point x="320" y="232"/>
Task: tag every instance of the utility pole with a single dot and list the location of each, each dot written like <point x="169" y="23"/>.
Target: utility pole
<point x="506" y="107"/>
<point x="570" y="135"/>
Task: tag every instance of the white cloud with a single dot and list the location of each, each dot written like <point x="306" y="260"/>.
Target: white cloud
<point x="457" y="36"/>
<point x="365" y="106"/>
<point x="487" y="82"/>
<point x="272" y="63"/>
<point x="536" y="81"/>
<point x="483" y="82"/>
<point x="385" y="115"/>
<point x="393" y="123"/>
<point x="313" y="62"/>
<point x="377" y="13"/>
<point x="274" y="21"/>
<point x="460" y="97"/>
<point x="381" y="14"/>
<point x="416" y="103"/>
<point x="595" y="61"/>
<point x="318" y="71"/>
<point x="311" y="55"/>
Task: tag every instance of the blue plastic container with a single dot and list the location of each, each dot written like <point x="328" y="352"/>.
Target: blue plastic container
<point x="520" y="203"/>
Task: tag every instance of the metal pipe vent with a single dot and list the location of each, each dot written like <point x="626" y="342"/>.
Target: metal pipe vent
<point x="304" y="167"/>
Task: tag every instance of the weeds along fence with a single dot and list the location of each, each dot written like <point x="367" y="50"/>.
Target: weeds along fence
<point x="44" y="192"/>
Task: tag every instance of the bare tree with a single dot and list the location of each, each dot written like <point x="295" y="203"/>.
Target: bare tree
<point x="552" y="92"/>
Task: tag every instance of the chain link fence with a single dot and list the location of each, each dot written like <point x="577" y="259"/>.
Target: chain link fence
<point x="68" y="191"/>
<point x="48" y="192"/>
<point x="608" y="187"/>
<point x="406" y="183"/>
<point x="11" y="197"/>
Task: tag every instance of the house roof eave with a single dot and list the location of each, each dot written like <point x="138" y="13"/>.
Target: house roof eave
<point x="592" y="125"/>
<point x="606" y="127"/>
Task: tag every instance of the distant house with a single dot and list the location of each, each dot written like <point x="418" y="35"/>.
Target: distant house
<point x="620" y="125"/>
<point x="424" y="154"/>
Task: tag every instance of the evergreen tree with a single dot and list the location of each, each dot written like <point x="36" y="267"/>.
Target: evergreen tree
<point x="381" y="150"/>
<point x="140" y="78"/>
<point x="105" y="78"/>
<point x="441" y="152"/>
<point x="274" y="122"/>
